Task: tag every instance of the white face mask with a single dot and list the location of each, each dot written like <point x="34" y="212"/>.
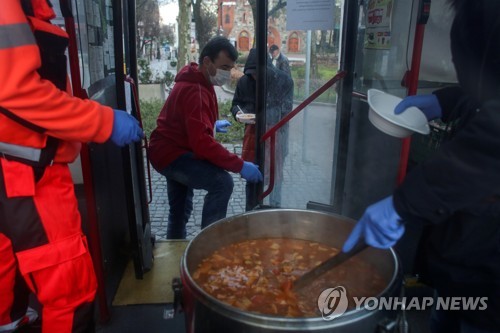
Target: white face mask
<point x="221" y="77"/>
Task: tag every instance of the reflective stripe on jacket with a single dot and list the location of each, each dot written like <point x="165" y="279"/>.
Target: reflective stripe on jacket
<point x="27" y="94"/>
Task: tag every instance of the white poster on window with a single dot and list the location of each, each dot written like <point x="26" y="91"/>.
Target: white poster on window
<point x="378" y="24"/>
<point x="128" y="97"/>
<point x="310" y="14"/>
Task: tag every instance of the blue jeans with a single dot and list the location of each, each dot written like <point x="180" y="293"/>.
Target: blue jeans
<point x="185" y="174"/>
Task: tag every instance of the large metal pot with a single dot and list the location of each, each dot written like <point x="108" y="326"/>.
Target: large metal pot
<point x="205" y="313"/>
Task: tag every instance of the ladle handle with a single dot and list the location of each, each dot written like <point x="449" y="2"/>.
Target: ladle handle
<point x="327" y="265"/>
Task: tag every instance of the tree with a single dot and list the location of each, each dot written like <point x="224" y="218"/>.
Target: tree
<point x="167" y="34"/>
<point x="184" y="37"/>
<point x="273" y="12"/>
<point x="205" y="22"/>
<point x="148" y="20"/>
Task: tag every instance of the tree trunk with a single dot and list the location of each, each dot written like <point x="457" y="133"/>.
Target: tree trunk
<point x="322" y="42"/>
<point x="253" y="5"/>
<point x="314" y="57"/>
<point x="197" y="21"/>
<point x="184" y="38"/>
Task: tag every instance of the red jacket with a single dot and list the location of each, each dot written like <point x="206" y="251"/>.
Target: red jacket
<point x="186" y="124"/>
<point x="25" y="95"/>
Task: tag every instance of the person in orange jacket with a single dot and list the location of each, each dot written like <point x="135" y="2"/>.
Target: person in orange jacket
<point x="42" y="245"/>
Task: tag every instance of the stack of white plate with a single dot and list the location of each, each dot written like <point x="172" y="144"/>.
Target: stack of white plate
<point x="402" y="125"/>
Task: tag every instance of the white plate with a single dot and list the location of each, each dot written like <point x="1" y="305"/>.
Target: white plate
<point x="246" y="118"/>
<point x="402" y="125"/>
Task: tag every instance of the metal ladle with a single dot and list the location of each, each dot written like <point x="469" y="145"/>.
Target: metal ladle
<point x="327" y="265"/>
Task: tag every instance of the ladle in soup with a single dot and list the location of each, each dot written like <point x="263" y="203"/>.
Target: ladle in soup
<point x="324" y="267"/>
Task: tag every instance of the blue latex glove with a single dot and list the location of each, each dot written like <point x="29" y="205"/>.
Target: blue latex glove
<point x="251" y="172"/>
<point x="126" y="129"/>
<point x="428" y="104"/>
<point x="222" y="125"/>
<point x="380" y="226"/>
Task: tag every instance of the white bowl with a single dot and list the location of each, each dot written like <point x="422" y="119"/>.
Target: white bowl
<point x="246" y="118"/>
<point x="402" y="125"/>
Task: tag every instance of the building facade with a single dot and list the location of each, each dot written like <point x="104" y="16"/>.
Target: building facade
<point x="236" y="22"/>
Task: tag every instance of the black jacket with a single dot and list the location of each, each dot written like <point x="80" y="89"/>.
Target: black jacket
<point x="283" y="64"/>
<point x="279" y="101"/>
<point x="457" y="191"/>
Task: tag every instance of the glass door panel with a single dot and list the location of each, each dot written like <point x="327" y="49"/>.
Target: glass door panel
<point x="304" y="146"/>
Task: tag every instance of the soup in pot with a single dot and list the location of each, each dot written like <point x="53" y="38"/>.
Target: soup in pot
<point x="256" y="275"/>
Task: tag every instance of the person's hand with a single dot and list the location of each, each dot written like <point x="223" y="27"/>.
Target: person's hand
<point x="251" y="172"/>
<point x="428" y="104"/>
<point x="222" y="125"/>
<point x="380" y="226"/>
<point x="126" y="129"/>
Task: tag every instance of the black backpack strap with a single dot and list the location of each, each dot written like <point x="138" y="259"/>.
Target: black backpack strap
<point x="27" y="7"/>
<point x="48" y="152"/>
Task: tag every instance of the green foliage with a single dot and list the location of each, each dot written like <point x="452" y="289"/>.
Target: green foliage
<point x="145" y="72"/>
<point x="236" y="130"/>
<point x="242" y="59"/>
<point x="168" y="77"/>
<point x="150" y="109"/>
<point x="299" y="71"/>
<point x="325" y="73"/>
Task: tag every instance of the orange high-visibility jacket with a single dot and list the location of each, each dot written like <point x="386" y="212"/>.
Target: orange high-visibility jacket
<point x="25" y="95"/>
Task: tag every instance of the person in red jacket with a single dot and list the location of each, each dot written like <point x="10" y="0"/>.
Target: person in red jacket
<point x="42" y="245"/>
<point x="183" y="147"/>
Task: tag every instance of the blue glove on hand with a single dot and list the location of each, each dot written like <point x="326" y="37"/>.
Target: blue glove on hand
<point x="251" y="172"/>
<point x="125" y="129"/>
<point x="222" y="125"/>
<point x="428" y="104"/>
<point x="380" y="226"/>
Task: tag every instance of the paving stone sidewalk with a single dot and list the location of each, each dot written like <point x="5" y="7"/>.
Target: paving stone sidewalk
<point x="303" y="181"/>
<point x="158" y="208"/>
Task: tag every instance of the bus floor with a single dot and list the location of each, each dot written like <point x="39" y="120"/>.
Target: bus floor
<point x="142" y="318"/>
<point x="150" y="318"/>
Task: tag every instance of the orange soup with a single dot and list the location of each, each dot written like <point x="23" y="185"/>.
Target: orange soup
<point x="251" y="276"/>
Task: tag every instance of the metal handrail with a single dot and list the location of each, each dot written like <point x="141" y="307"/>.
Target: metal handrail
<point x="130" y="80"/>
<point x="271" y="133"/>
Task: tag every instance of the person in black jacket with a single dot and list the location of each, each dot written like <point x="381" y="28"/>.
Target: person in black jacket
<point x="456" y="191"/>
<point x="279" y="101"/>
<point x="280" y="61"/>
